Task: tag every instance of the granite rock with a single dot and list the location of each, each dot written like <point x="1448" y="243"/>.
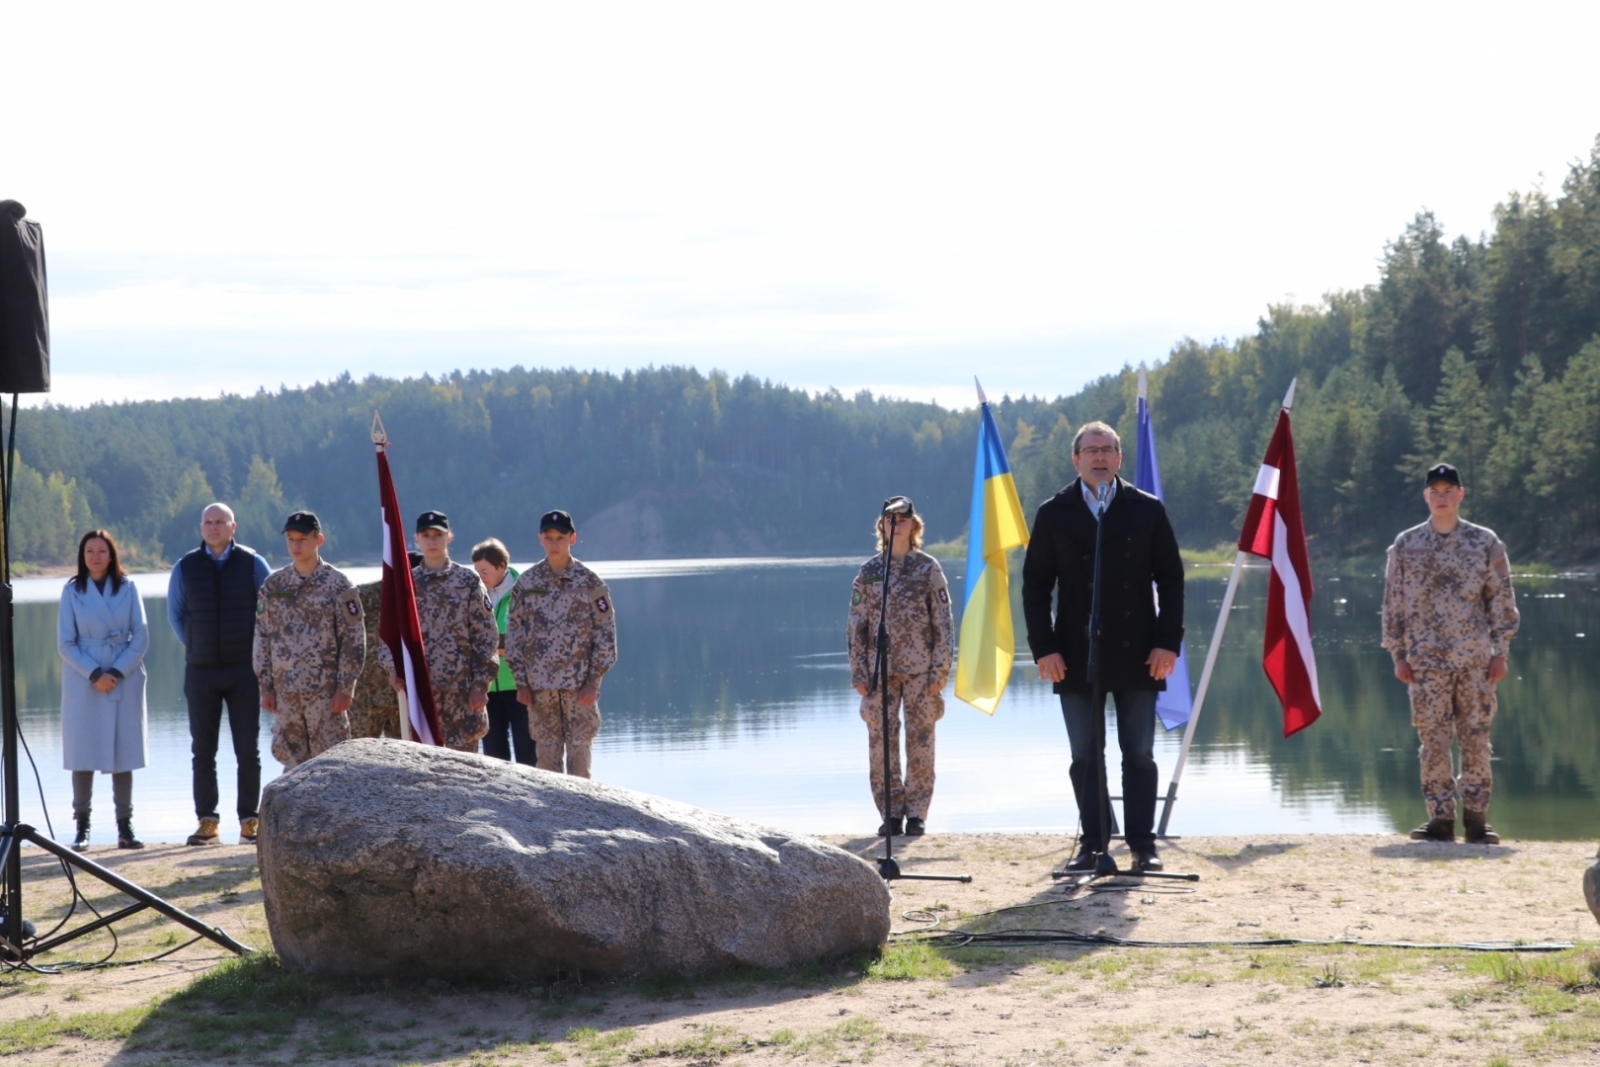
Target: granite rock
<point x="384" y="857"/>
<point x="1591" y="888"/>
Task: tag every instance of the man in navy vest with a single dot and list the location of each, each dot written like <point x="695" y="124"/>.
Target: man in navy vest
<point x="211" y="604"/>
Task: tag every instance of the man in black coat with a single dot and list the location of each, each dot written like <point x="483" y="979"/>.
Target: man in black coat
<point x="1139" y="640"/>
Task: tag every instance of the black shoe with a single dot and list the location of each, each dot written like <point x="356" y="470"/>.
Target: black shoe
<point x="80" y="843"/>
<point x="915" y="827"/>
<point x="125" y="838"/>
<point x="1083" y="861"/>
<point x="890" y="828"/>
<point x="1476" y="829"/>
<point x="1145" y="859"/>
<point x="1435" y="830"/>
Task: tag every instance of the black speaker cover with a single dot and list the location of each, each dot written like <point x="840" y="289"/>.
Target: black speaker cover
<point x="24" y="304"/>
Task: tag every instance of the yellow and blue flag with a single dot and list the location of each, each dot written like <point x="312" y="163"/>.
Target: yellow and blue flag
<point x="988" y="644"/>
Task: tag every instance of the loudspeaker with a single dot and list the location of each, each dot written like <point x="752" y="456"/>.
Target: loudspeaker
<point x="24" y="304"/>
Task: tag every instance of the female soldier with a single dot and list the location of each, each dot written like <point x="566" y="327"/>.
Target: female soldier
<point x="920" y="629"/>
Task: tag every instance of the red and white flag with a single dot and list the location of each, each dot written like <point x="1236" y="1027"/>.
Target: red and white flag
<point x="1273" y="530"/>
<point x="398" y="625"/>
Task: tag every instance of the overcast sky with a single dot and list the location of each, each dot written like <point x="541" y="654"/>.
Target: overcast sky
<point x="884" y="196"/>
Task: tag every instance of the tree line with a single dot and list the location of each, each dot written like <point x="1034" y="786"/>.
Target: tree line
<point x="1483" y="353"/>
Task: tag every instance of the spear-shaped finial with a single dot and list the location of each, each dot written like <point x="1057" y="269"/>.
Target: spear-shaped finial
<point x="1288" y="398"/>
<point x="1144" y="384"/>
<point x="380" y="436"/>
<point x="982" y="399"/>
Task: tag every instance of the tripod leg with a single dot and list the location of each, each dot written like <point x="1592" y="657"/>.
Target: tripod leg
<point x="144" y="896"/>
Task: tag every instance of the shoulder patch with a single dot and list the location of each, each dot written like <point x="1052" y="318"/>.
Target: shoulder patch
<point x="602" y="603"/>
<point x="944" y="595"/>
<point x="856" y="597"/>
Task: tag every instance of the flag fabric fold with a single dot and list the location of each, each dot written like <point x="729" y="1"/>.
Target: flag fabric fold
<point x="1273" y="530"/>
<point x="987" y="647"/>
<point x="1173" y="706"/>
<point x="398" y="624"/>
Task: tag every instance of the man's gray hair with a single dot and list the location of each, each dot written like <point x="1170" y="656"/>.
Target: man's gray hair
<point x="226" y="510"/>
<point x="1095" y="427"/>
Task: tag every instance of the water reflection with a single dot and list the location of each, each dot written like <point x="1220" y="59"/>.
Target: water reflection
<point x="732" y="692"/>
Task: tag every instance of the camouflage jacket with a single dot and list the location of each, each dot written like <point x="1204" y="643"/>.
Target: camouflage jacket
<point x="309" y="637"/>
<point x="921" y="631"/>
<point x="562" y="629"/>
<point x="1447" y="599"/>
<point x="459" y="634"/>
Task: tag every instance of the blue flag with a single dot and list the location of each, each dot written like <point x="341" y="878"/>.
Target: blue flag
<point x="1173" y="706"/>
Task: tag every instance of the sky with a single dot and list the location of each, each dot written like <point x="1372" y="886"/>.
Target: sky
<point x="893" y="196"/>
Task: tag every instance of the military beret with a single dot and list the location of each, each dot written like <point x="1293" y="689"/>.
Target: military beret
<point x="1443" y="473"/>
<point x="556" y="520"/>
<point x="305" y="522"/>
<point x="433" y="520"/>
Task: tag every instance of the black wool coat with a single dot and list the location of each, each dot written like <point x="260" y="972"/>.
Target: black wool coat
<point x="1140" y="548"/>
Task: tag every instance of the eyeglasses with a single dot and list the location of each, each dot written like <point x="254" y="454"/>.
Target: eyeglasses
<point x="1099" y="450"/>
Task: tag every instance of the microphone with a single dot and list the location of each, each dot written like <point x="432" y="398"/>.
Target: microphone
<point x="898" y="505"/>
<point x="1102" y="492"/>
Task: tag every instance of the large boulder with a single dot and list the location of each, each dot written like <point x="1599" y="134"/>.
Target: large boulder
<point x="384" y="857"/>
<point x="1591" y="888"/>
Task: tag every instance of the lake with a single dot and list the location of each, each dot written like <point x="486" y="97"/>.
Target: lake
<point x="732" y="693"/>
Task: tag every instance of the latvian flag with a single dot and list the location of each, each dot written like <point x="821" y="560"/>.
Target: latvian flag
<point x="1273" y="530"/>
<point x="398" y="625"/>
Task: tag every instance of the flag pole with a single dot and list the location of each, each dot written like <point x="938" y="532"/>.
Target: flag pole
<point x="1211" y="662"/>
<point x="380" y="441"/>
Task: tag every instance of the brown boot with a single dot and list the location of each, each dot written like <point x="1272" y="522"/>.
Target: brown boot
<point x="1435" y="830"/>
<point x="1477" y="830"/>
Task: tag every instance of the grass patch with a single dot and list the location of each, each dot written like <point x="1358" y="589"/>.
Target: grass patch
<point x="911" y="960"/>
<point x="45" y="1031"/>
<point x="860" y="1036"/>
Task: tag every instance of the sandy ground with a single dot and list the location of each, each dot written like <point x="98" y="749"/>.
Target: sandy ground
<point x="1197" y="1005"/>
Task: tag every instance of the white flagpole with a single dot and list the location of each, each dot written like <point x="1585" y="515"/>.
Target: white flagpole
<point x="1200" y="692"/>
<point x="1211" y="661"/>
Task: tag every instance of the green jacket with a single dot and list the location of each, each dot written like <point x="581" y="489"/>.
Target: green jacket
<point x="504" y="682"/>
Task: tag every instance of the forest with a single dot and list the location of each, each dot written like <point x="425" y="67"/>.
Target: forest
<point x="1484" y="353"/>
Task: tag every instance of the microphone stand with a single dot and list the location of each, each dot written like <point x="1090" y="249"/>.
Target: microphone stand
<point x="887" y="867"/>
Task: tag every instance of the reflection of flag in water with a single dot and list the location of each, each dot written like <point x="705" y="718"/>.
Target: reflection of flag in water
<point x="988" y="645"/>
<point x="1272" y="529"/>
<point x="1174" y="705"/>
<point x="398" y="625"/>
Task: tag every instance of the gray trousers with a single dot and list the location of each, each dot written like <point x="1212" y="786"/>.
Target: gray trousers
<point x="121" y="792"/>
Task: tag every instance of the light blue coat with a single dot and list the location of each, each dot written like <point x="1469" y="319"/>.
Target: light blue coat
<point x="102" y="731"/>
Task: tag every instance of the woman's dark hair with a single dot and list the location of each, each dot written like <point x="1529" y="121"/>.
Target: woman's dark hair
<point x="113" y="570"/>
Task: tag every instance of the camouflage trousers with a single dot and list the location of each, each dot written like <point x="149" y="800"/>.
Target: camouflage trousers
<point x="1459" y="704"/>
<point x="463" y="726"/>
<point x="375" y="712"/>
<point x="303" y="727"/>
<point x="911" y="795"/>
<point x="560" y="724"/>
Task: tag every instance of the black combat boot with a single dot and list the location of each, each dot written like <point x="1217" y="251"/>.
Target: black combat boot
<point x="891" y="828"/>
<point x="1435" y="830"/>
<point x="125" y="838"/>
<point x="81" y="842"/>
<point x="1476" y="829"/>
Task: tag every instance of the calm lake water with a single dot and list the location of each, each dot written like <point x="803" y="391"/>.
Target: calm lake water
<point x="732" y="693"/>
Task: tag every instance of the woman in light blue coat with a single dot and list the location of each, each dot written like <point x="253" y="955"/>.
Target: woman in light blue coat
<point x="102" y="636"/>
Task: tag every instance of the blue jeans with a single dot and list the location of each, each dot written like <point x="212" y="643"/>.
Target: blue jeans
<point x="1136" y="735"/>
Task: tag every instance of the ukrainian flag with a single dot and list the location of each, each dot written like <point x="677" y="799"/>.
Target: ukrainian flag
<point x="988" y="645"/>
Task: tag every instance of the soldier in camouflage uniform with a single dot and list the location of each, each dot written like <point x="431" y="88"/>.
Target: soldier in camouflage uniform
<point x="309" y="647"/>
<point x="1448" y="617"/>
<point x="459" y="636"/>
<point x="561" y="637"/>
<point x="375" y="711"/>
<point x="920" y="631"/>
